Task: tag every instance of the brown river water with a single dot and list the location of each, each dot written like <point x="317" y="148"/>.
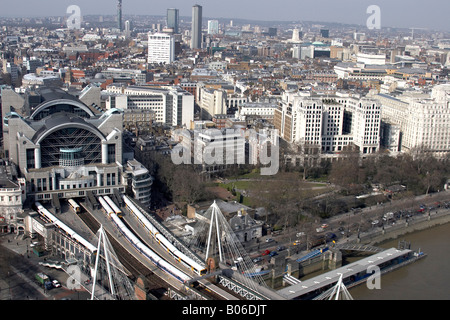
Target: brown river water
<point x="425" y="279"/>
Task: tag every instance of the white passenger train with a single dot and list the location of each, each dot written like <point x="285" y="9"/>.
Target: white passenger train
<point x="113" y="206"/>
<point x="105" y="206"/>
<point x="141" y="247"/>
<point x="74" y="205"/>
<point x="199" y="269"/>
<point x="47" y="215"/>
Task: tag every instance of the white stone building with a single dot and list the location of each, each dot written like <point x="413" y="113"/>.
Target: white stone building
<point x="423" y="119"/>
<point x="330" y="122"/>
<point x="161" y="48"/>
<point x="171" y="105"/>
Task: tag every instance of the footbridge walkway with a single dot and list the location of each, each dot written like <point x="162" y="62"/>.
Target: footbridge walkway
<point x="358" y="247"/>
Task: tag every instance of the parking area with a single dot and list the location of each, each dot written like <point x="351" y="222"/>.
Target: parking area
<point x="18" y="268"/>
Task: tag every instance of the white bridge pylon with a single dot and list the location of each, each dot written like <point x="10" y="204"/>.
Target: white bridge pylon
<point x="216" y="240"/>
<point x="119" y="285"/>
<point x="214" y="221"/>
<point x="337" y="292"/>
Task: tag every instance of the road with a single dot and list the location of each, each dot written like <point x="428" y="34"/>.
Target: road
<point x="347" y="226"/>
<point x="17" y="271"/>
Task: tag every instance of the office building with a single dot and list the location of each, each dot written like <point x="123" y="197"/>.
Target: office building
<point x="12" y="69"/>
<point x="196" y="31"/>
<point x="295" y="35"/>
<point x="172" y="105"/>
<point x="215" y="149"/>
<point x="330" y="122"/>
<point x="324" y="33"/>
<point x="213" y="27"/>
<point x="62" y="146"/>
<point x="212" y="102"/>
<point x="119" y="15"/>
<point x="272" y="32"/>
<point x="141" y="181"/>
<point x="138" y="76"/>
<point x="422" y="119"/>
<point x="161" y="48"/>
<point x="173" y="20"/>
<point x="128" y="28"/>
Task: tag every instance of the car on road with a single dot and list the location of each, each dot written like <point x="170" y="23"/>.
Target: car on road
<point x="56" y="283"/>
<point x="375" y="222"/>
<point x="273" y="253"/>
<point x="330" y="236"/>
<point x="265" y="253"/>
<point x="269" y="240"/>
<point x="256" y="260"/>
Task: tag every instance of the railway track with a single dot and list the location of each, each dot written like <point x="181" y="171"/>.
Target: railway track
<point x="157" y="286"/>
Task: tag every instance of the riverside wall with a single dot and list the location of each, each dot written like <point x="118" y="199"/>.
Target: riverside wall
<point x="417" y="223"/>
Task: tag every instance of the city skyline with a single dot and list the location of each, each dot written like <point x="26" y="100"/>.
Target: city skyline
<point x="401" y="14"/>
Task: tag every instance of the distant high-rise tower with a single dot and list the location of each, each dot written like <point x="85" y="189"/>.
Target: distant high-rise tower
<point x="324" y="33"/>
<point x="128" y="28"/>
<point x="119" y="14"/>
<point x="196" y="34"/>
<point x="173" y="19"/>
<point x="213" y="27"/>
<point x="295" y="35"/>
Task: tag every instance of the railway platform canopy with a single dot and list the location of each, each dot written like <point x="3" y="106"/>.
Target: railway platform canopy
<point x="350" y="273"/>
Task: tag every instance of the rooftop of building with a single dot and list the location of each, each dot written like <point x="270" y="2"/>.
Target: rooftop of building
<point x="8" y="174"/>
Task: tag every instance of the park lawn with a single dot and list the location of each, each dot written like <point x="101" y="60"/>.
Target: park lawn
<point x="307" y="189"/>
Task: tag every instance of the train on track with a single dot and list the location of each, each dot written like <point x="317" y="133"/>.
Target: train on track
<point x="48" y="216"/>
<point x="140" y="246"/>
<point x="195" y="267"/>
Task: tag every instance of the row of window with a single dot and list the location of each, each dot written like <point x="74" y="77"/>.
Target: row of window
<point x="41" y="184"/>
<point x="9" y="198"/>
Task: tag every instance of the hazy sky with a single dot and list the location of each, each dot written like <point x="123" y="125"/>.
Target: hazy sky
<point x="432" y="14"/>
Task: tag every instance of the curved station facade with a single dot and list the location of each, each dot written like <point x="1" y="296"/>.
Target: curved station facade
<point x="64" y="147"/>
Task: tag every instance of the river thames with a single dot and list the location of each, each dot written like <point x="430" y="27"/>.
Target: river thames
<point x="426" y="279"/>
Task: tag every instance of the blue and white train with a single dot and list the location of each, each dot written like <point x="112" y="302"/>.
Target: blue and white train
<point x="141" y="247"/>
<point x="47" y="215"/>
<point x="105" y="206"/>
<point x="113" y="206"/>
<point x="195" y="267"/>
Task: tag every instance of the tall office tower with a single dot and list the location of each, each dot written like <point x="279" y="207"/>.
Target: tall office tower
<point x="324" y="33"/>
<point x="196" y="34"/>
<point x="272" y="32"/>
<point x="128" y="27"/>
<point x="295" y="35"/>
<point x="173" y="18"/>
<point x="213" y="27"/>
<point x="161" y="48"/>
<point x="119" y="14"/>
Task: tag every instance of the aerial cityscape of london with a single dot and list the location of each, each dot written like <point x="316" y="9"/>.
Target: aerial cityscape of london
<point x="218" y="156"/>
